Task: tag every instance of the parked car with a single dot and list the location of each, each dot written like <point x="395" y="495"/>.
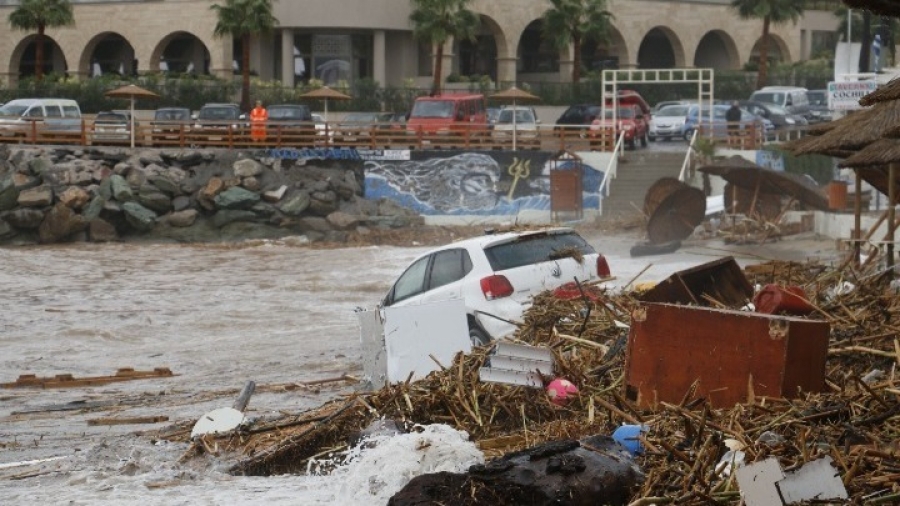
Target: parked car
<point x="630" y="121"/>
<point x="358" y="125"/>
<point x="526" y="126"/>
<point x="719" y="123"/>
<point x="319" y="122"/>
<point x="666" y="103"/>
<point x="293" y="120"/>
<point x="492" y="114"/>
<point x="169" y="124"/>
<point x="779" y="116"/>
<point x="497" y="275"/>
<point x="112" y="127"/>
<point x="214" y="120"/>
<point x="18" y="116"/>
<point x="578" y="115"/>
<point x="818" y="106"/>
<point x="793" y="99"/>
<point x="668" y="122"/>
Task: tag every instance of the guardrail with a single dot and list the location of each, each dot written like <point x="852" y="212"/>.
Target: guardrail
<point x="232" y="135"/>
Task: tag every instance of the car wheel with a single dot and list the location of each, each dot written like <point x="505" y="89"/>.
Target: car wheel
<point x="478" y="336"/>
<point x="688" y="134"/>
<point x="651" y="138"/>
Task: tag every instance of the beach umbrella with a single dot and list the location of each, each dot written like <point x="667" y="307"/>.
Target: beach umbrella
<point x="131" y="92"/>
<point x="513" y="95"/>
<point x="854" y="131"/>
<point x="890" y="91"/>
<point x="674" y="208"/>
<point x="746" y="174"/>
<point x="325" y="93"/>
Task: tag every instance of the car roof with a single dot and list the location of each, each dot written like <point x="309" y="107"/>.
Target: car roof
<point x="221" y="105"/>
<point x="488" y="239"/>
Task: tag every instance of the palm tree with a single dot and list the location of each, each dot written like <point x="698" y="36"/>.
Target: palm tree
<point x="885" y="26"/>
<point x="770" y="11"/>
<point x="244" y="19"/>
<point x="574" y="21"/>
<point x="436" y="21"/>
<point x="40" y="15"/>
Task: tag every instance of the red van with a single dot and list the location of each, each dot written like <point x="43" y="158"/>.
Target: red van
<point x="446" y="113"/>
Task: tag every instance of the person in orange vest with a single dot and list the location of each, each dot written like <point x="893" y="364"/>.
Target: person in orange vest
<point x="258" y="117"/>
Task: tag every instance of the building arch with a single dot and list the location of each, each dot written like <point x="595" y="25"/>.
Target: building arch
<point x="717" y="50"/>
<point x="480" y="57"/>
<point x="778" y="50"/>
<point x="22" y="60"/>
<point x="107" y="53"/>
<point x="661" y="49"/>
<point x="607" y="54"/>
<point x="180" y="52"/>
<point x="535" y="54"/>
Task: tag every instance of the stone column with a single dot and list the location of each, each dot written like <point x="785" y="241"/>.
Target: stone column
<point x="506" y="70"/>
<point x="379" y="53"/>
<point x="287" y="57"/>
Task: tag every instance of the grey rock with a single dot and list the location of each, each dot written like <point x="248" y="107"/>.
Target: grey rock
<point x="25" y="181"/>
<point x="59" y="224"/>
<point x="251" y="183"/>
<point x="275" y="195"/>
<point x="25" y="218"/>
<point x="100" y="230"/>
<point x="42" y="196"/>
<point x="295" y="205"/>
<point x="315" y="223"/>
<point x="138" y="216"/>
<point x="182" y="219"/>
<point x="236" y="198"/>
<point x="105" y="189"/>
<point x="155" y="200"/>
<point x="323" y="203"/>
<point x="75" y="197"/>
<point x="6" y="231"/>
<point x="181" y="202"/>
<point x="165" y="184"/>
<point x="247" y="168"/>
<point x="9" y="194"/>
<point x="92" y="211"/>
<point x="120" y="188"/>
<point x="39" y="166"/>
<point x="226" y="216"/>
<point x="135" y="177"/>
<point x="342" y="221"/>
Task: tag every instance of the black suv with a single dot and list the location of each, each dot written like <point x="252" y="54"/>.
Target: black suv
<point x="578" y="115"/>
<point x="214" y="119"/>
<point x="291" y="122"/>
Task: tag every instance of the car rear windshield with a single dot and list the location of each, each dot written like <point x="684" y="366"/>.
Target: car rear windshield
<point x="298" y="113"/>
<point x="432" y="109"/>
<point x="219" y="113"/>
<point x="172" y="114"/>
<point x="536" y="248"/>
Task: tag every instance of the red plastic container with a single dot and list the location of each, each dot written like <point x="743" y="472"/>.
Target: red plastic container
<point x="776" y="299"/>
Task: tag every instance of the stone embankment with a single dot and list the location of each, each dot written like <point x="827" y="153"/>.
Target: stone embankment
<point x="64" y="194"/>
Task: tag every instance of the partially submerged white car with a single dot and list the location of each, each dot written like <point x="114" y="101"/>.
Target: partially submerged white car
<point x="497" y="275"/>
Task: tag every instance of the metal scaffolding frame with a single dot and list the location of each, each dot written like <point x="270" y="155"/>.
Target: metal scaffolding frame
<point x="703" y="77"/>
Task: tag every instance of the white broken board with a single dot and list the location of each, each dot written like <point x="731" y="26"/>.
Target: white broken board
<point x="415" y="334"/>
<point x="765" y="484"/>
<point x="517" y="364"/>
<point x="218" y="421"/>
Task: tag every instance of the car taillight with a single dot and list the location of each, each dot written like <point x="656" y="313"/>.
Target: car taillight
<point x="496" y="287"/>
<point x="602" y="267"/>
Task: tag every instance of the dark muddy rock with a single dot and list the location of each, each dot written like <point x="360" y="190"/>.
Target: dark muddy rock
<point x="596" y="470"/>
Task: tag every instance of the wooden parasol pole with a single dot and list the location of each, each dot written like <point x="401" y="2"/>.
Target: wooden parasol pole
<point x="892" y="197"/>
<point x="857" y="221"/>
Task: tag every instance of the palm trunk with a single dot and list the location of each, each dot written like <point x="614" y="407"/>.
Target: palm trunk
<point x="763" y="73"/>
<point x="866" y="46"/>
<point x="438" y="64"/>
<point x="576" y="64"/>
<point x="245" y="73"/>
<point x="39" y="54"/>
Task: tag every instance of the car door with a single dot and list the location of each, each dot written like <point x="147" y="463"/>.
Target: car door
<point x="435" y="277"/>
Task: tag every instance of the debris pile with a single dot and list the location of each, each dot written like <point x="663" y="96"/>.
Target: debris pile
<point x="689" y="448"/>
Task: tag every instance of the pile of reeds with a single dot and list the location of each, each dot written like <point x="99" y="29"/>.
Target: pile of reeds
<point x="856" y="420"/>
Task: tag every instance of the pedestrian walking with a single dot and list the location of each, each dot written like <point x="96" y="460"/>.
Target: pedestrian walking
<point x="733" y="118"/>
<point x="258" y="117"/>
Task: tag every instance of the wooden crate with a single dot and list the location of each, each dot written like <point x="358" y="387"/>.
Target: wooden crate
<point x="731" y="355"/>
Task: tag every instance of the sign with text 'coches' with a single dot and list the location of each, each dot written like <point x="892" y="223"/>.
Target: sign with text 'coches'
<point x="845" y="95"/>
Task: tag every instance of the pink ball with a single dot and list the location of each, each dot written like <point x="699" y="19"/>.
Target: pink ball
<point x="561" y="390"/>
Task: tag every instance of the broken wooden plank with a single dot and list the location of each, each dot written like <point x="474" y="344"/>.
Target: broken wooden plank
<point x="70" y="381"/>
<point x="133" y="420"/>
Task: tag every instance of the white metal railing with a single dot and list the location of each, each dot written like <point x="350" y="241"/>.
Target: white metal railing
<point x="611" y="172"/>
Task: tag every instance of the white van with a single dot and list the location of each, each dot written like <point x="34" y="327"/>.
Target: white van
<point x="18" y="115"/>
<point x="791" y="98"/>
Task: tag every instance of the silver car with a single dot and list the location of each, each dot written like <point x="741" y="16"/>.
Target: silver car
<point x="668" y="122"/>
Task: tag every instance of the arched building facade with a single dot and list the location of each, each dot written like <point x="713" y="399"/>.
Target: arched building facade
<point x="345" y="40"/>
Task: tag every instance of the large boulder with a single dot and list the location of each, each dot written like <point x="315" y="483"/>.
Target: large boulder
<point x="247" y="168"/>
<point x="42" y="196"/>
<point x="9" y="194"/>
<point x="183" y="219"/>
<point x="120" y="188"/>
<point x="60" y="223"/>
<point x="236" y="197"/>
<point x="227" y="216"/>
<point x="139" y="217"/>
<point x="75" y="197"/>
<point x="342" y="221"/>
<point x="100" y="230"/>
<point x="296" y="204"/>
<point x="25" y="218"/>
<point x="323" y="203"/>
<point x="93" y="209"/>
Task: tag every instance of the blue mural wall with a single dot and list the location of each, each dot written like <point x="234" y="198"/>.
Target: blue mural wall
<point x="459" y="183"/>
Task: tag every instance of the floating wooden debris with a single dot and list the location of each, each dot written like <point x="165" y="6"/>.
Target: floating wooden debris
<point x="132" y="420"/>
<point x="69" y="381"/>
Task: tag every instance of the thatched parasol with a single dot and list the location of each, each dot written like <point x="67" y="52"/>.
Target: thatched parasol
<point x="325" y="93"/>
<point x="856" y="131"/>
<point x="514" y="94"/>
<point x="131" y="91"/>
<point x="675" y="210"/>
<point x="890" y="91"/>
<point x="746" y="174"/>
<point x="871" y="163"/>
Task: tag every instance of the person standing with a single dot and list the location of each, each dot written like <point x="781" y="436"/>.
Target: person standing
<point x="258" y="117"/>
<point x="733" y="117"/>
